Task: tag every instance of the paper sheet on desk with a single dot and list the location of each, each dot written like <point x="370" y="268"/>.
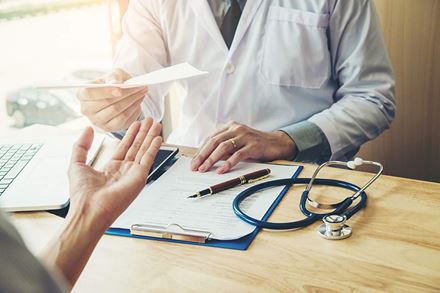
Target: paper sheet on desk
<point x="165" y="201"/>
<point x="168" y="74"/>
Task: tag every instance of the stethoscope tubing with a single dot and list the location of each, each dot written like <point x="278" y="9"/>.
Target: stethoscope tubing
<point x="342" y="208"/>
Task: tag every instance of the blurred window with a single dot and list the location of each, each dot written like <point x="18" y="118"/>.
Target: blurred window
<point x="48" y="41"/>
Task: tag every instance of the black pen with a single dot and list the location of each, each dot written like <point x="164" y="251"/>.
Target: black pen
<point x="247" y="178"/>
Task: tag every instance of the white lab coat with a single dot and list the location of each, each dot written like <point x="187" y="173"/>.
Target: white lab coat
<point x="317" y="60"/>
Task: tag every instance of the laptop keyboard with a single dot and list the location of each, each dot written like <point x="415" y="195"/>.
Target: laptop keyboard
<point x="13" y="158"/>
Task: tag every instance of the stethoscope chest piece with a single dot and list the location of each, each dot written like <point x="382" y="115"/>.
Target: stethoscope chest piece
<point x="334" y="228"/>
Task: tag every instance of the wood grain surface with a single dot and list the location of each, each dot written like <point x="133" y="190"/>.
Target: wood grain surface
<point x="395" y="247"/>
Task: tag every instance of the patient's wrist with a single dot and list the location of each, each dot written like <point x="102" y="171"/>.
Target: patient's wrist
<point x="82" y="215"/>
<point x="72" y="246"/>
<point x="83" y="221"/>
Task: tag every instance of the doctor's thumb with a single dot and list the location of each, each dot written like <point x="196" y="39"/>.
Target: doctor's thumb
<point x="117" y="76"/>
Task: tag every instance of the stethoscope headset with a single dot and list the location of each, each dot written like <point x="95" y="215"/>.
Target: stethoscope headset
<point x="334" y="226"/>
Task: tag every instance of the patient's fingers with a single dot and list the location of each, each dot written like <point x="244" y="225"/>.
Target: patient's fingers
<point x="126" y="142"/>
<point x="138" y="141"/>
<point x="82" y="146"/>
<point x="148" y="158"/>
<point x="152" y="133"/>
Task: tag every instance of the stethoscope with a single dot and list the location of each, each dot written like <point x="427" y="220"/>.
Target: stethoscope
<point x="334" y="226"/>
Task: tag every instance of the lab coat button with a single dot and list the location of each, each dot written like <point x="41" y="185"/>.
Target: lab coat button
<point x="230" y="68"/>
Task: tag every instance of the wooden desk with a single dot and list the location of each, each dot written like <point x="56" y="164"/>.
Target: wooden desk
<point x="395" y="246"/>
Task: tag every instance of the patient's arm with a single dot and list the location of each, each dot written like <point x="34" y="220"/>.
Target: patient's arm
<point x="98" y="198"/>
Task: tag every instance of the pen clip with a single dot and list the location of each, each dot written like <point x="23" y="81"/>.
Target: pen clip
<point x="258" y="179"/>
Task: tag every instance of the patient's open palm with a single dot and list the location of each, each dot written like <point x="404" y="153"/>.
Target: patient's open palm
<point x="106" y="194"/>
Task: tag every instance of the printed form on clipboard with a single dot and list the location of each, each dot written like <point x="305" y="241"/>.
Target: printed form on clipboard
<point x="164" y="203"/>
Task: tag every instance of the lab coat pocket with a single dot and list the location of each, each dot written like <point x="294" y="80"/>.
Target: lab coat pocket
<point x="295" y="51"/>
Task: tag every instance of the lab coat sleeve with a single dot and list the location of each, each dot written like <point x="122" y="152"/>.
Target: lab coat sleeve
<point x="364" y="102"/>
<point x="142" y="49"/>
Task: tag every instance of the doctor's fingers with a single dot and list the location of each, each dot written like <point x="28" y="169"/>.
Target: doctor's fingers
<point x="118" y="75"/>
<point x="114" y="77"/>
<point x="221" y="130"/>
<point x="117" y="123"/>
<point x="132" y="114"/>
<point x="202" y="162"/>
<point x="117" y="112"/>
<point x="106" y="94"/>
<point x="240" y="155"/>
<point x="224" y="149"/>
<point x="91" y="107"/>
<point x="232" y="129"/>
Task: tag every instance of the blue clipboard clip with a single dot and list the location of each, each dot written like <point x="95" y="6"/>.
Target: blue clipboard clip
<point x="172" y="231"/>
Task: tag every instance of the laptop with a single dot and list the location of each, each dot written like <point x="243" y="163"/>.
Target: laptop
<point x="33" y="171"/>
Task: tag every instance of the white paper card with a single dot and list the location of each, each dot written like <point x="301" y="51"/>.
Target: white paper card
<point x="168" y="74"/>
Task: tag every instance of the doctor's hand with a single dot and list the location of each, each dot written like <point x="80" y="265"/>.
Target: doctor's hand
<point x="112" y="109"/>
<point x="105" y="195"/>
<point x="237" y="142"/>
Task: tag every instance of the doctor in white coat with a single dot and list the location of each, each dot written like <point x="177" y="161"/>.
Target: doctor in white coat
<point x="307" y="80"/>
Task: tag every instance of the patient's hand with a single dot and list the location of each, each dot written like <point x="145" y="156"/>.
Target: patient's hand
<point x="105" y="195"/>
<point x="98" y="198"/>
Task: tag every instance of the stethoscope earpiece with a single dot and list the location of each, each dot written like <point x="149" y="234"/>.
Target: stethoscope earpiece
<point x="355" y="163"/>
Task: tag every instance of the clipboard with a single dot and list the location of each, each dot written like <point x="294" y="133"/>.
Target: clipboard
<point x="196" y="237"/>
